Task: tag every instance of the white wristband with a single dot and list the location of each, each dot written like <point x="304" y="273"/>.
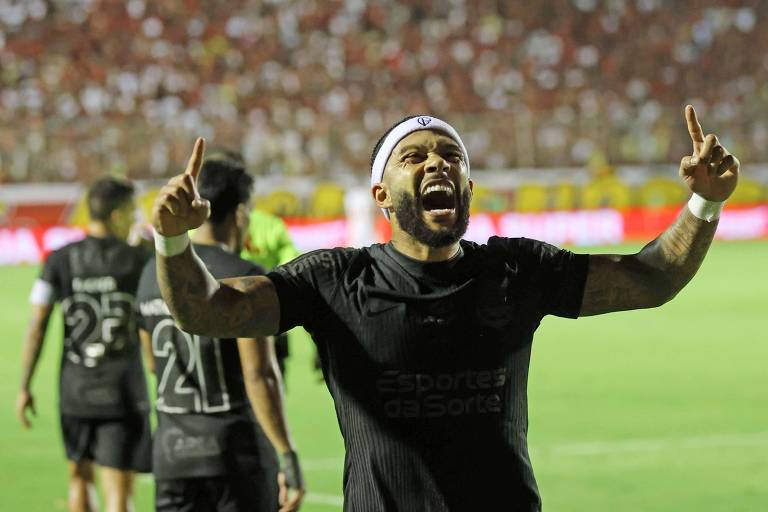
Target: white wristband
<point x="170" y="245"/>
<point x="703" y="209"/>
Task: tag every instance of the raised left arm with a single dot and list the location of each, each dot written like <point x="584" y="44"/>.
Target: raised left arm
<point x="662" y="268"/>
<point x="654" y="275"/>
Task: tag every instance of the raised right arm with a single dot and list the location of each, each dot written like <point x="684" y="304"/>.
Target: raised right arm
<point x="240" y="307"/>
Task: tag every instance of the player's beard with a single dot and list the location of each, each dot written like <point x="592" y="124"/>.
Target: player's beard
<point x="411" y="221"/>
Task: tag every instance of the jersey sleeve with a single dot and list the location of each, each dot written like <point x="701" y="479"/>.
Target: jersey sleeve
<point x="556" y="277"/>
<point x="305" y="287"/>
<point x="47" y="288"/>
<point x="562" y="274"/>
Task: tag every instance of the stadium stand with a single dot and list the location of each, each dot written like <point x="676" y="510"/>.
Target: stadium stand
<point x="302" y="88"/>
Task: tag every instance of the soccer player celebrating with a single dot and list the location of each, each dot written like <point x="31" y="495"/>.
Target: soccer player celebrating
<point x="425" y="341"/>
<point x="209" y="452"/>
<point x="102" y="392"/>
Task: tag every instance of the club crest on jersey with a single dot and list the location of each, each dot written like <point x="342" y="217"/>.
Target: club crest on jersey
<point x="424" y="121"/>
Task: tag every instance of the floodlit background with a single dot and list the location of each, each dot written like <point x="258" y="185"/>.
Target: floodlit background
<point x="572" y="114"/>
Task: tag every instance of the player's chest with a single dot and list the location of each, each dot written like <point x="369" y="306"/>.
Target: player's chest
<point x="476" y="316"/>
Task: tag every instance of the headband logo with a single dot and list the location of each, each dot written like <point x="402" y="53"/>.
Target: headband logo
<point x="424" y="121"/>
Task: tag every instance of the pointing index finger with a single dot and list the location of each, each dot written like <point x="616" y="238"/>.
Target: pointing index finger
<point x="196" y="160"/>
<point x="694" y="129"/>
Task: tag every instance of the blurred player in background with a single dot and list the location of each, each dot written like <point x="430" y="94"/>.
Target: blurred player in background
<point x="209" y="452"/>
<point x="267" y="243"/>
<point x="102" y="390"/>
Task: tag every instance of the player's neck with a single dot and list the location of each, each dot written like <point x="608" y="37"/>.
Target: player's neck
<point x="216" y="234"/>
<point x="98" y="229"/>
<point x="407" y="245"/>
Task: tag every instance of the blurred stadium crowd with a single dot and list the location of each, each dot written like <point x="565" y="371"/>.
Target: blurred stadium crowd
<point x="307" y="87"/>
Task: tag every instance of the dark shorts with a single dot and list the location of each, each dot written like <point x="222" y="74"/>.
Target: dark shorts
<point x="234" y="493"/>
<point x="120" y="443"/>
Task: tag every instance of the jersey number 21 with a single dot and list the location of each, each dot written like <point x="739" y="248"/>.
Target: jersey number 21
<point x="190" y="371"/>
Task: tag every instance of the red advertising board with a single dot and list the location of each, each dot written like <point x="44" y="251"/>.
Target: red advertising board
<point x="582" y="227"/>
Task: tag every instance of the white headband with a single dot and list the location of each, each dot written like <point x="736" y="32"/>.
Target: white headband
<point x="401" y="131"/>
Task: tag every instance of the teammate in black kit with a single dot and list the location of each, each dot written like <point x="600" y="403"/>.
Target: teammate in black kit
<point x="425" y="341"/>
<point x="102" y="391"/>
<point x="209" y="452"/>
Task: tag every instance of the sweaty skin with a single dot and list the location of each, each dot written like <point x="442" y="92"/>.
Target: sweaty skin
<point x="420" y="159"/>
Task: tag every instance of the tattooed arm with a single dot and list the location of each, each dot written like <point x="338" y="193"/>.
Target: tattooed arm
<point x="654" y="275"/>
<point x="663" y="267"/>
<point x="229" y="308"/>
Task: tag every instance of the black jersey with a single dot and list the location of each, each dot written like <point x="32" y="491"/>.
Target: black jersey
<point x="205" y="424"/>
<point x="428" y="365"/>
<point x="95" y="279"/>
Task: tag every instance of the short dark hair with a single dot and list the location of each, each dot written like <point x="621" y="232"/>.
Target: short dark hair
<point x="106" y="195"/>
<point x="377" y="147"/>
<point x="220" y="153"/>
<point x="226" y="184"/>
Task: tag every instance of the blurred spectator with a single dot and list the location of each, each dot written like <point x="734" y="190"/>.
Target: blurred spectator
<point x="306" y="87"/>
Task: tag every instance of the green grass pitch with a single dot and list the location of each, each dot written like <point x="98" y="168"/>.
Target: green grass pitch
<point x="659" y="410"/>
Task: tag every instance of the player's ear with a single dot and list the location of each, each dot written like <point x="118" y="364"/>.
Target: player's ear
<point x="382" y="196"/>
<point x="116" y="215"/>
<point x="242" y="217"/>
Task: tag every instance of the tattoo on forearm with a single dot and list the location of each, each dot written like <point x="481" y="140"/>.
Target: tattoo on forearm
<point x="652" y="276"/>
<point x="243" y="313"/>
<point x="183" y="284"/>
<point x="202" y="305"/>
<point x="679" y="251"/>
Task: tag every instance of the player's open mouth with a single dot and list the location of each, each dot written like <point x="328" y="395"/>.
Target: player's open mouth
<point x="438" y="199"/>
